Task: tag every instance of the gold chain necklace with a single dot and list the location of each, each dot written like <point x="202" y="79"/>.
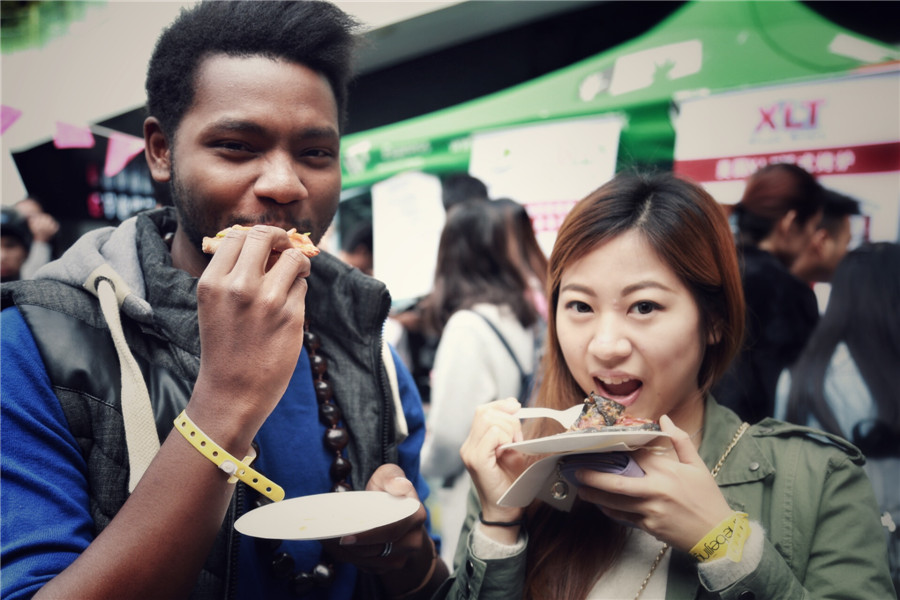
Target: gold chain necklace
<point x="714" y="471"/>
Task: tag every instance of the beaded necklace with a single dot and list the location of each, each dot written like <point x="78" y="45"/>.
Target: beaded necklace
<point x="336" y="437"/>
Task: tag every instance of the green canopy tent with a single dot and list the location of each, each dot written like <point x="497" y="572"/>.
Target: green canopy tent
<point x="704" y="47"/>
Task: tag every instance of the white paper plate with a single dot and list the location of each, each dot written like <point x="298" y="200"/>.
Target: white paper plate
<point x="581" y="441"/>
<point x="325" y="516"/>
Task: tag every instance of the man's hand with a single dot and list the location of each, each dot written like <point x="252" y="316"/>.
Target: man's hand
<point x="402" y="553"/>
<point x="251" y="322"/>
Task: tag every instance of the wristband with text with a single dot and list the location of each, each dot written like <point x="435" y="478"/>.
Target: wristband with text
<point x="724" y="540"/>
<point x="225" y="461"/>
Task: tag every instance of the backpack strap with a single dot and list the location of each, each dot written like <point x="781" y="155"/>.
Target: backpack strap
<point x="506" y="345"/>
<point x="141" y="438"/>
<point x="522" y="374"/>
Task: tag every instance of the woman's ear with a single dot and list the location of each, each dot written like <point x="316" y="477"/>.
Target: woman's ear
<point x="715" y="334"/>
<point x="157" y="151"/>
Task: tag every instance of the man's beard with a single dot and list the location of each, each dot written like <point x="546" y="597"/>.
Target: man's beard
<point x="198" y="222"/>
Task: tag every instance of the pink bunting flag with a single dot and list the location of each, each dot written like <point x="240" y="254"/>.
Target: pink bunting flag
<point x="8" y="116"/>
<point x="72" y="136"/>
<point x="119" y="152"/>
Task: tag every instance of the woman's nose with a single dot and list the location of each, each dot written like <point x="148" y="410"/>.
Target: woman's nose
<point x="280" y="180"/>
<point x="609" y="342"/>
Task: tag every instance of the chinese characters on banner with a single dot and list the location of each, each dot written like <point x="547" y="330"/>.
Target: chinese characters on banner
<point x="845" y="131"/>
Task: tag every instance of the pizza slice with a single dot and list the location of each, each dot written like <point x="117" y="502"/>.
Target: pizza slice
<point x="299" y="241"/>
<point x="603" y="414"/>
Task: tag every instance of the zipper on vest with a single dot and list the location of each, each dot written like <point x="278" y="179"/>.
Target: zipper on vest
<point x="233" y="546"/>
<point x="386" y="399"/>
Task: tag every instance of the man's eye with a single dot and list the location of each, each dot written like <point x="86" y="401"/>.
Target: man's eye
<point x="234" y="146"/>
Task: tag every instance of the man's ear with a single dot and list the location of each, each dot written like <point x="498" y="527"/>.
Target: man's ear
<point x="157" y="151"/>
<point x="818" y="241"/>
<point x="785" y="223"/>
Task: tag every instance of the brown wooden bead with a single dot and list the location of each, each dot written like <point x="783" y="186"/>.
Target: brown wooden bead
<point x="336" y="439"/>
<point x="340" y="468"/>
<point x="311" y="341"/>
<point x="324" y="393"/>
<point x="329" y="414"/>
<point x="318" y="364"/>
<point x="282" y="565"/>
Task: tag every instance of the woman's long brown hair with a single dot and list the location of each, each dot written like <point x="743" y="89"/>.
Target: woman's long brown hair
<point x="568" y="552"/>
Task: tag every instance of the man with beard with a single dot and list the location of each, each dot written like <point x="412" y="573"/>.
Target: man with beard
<point x="135" y="329"/>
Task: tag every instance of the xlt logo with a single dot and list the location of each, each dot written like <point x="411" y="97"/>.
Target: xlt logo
<point x="789" y="115"/>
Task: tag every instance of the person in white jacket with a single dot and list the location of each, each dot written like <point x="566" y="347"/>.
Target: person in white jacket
<point x="480" y="307"/>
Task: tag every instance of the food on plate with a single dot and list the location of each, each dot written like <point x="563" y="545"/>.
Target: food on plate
<point x="604" y="414"/>
<point x="299" y="241"/>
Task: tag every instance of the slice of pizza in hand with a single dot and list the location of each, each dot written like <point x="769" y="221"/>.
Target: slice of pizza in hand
<point x="300" y="241"/>
<point x="604" y="414"/>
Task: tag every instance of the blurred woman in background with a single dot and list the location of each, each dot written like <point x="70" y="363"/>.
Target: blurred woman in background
<point x="480" y="308"/>
<point x="845" y="381"/>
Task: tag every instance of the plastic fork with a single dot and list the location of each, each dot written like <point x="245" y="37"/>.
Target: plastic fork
<point x="564" y="417"/>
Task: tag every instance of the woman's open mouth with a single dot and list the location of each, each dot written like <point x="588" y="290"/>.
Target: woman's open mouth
<point x="623" y="390"/>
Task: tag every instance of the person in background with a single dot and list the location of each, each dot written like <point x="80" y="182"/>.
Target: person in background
<point x="357" y="249"/>
<point x="526" y="252"/>
<point x="43" y="230"/>
<point x="777" y="218"/>
<point x="421" y="343"/>
<point x="138" y="370"/>
<point x="15" y="244"/>
<point x="479" y="309"/>
<point x="845" y="381"/>
<point x="830" y="241"/>
<point x="462" y="187"/>
<point x="646" y="308"/>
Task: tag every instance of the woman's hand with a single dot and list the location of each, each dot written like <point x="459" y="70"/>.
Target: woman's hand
<point x="677" y="501"/>
<point x="493" y="470"/>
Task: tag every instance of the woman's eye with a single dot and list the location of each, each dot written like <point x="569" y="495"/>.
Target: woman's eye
<point x="645" y="307"/>
<point x="578" y="306"/>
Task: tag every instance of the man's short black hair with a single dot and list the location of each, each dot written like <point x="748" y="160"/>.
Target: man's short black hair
<point x="837" y="207"/>
<point x="316" y="34"/>
<point x="462" y="187"/>
<point x="359" y="236"/>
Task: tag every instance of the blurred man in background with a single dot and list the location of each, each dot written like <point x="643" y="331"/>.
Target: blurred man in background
<point x="15" y="244"/>
<point x="43" y="229"/>
<point x="829" y="243"/>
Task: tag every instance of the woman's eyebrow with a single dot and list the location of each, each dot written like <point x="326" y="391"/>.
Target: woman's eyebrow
<point x="576" y="287"/>
<point x="643" y="285"/>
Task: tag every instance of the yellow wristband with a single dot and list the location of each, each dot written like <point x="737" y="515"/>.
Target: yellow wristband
<point x="724" y="540"/>
<point x="225" y="461"/>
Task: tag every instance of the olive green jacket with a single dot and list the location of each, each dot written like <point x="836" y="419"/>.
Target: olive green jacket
<point x="809" y="492"/>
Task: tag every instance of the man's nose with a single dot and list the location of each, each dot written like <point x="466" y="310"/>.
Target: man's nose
<point x="281" y="179"/>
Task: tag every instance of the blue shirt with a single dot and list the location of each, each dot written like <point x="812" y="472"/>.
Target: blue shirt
<point x="45" y="521"/>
